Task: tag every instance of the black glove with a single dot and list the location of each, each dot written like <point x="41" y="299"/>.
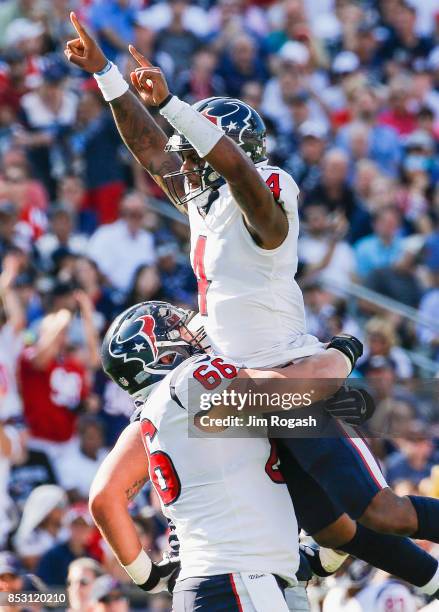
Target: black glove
<point x="354" y="406"/>
<point x="162" y="577"/>
<point x="349" y="346"/>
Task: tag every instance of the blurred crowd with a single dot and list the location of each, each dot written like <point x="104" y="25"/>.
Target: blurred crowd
<point x="349" y="91"/>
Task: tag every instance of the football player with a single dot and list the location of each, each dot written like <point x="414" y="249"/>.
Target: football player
<point x="244" y="226"/>
<point x="210" y="487"/>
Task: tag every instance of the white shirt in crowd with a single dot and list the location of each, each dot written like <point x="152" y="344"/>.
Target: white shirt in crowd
<point x="11" y="344"/>
<point x="341" y="266"/>
<point x="118" y="253"/>
<point x="76" y="471"/>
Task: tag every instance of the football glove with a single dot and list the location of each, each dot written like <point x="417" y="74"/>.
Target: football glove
<point x="322" y="561"/>
<point x="162" y="577"/>
<point x="349" y="346"/>
<point x="354" y="406"/>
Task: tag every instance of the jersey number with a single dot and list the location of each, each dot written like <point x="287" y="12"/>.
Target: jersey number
<point x="210" y="377"/>
<point x="203" y="283"/>
<point x="274" y="186"/>
<point x="161" y="469"/>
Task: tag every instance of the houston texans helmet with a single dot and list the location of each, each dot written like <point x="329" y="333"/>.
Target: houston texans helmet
<point x="146" y="342"/>
<point x="237" y="120"/>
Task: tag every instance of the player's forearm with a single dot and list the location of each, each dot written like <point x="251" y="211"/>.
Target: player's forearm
<point x="120" y="477"/>
<point x="116" y="526"/>
<point x="320" y="376"/>
<point x="143" y="136"/>
<point x="249" y="190"/>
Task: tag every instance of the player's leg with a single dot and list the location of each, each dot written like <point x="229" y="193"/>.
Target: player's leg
<point x="236" y="592"/>
<point x="385" y="512"/>
<point x="414" y="516"/>
<point x="322" y="517"/>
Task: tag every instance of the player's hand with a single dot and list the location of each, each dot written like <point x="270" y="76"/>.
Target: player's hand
<point x="84" y="51"/>
<point x="353" y="406"/>
<point x="148" y="80"/>
<point x="163" y="576"/>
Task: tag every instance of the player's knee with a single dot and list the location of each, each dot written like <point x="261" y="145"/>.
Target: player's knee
<point x="389" y="513"/>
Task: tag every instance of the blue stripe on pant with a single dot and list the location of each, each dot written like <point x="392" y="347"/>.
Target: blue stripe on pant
<point x="328" y="476"/>
<point x="206" y="594"/>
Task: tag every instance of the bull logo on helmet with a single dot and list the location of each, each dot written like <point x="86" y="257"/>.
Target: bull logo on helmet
<point x="230" y="116"/>
<point x="130" y="348"/>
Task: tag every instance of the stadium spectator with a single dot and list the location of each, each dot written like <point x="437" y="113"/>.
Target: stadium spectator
<point x="200" y="81"/>
<point x="176" y="40"/>
<point x="54" y="564"/>
<point x="176" y="276"/>
<point x="241" y="63"/>
<point x="40" y="526"/>
<point x="113" y="21"/>
<point x="48" y="114"/>
<point x="382" y="248"/>
<point x="12" y="439"/>
<point x="61" y="235"/>
<point x="429" y="304"/>
<point x="404" y="45"/>
<point x="327" y="258"/>
<point x="105" y="299"/>
<point x="333" y="188"/>
<point x="381" y="340"/>
<point x="107" y="596"/>
<point x="415" y="457"/>
<point x="384" y="144"/>
<point x="119" y="248"/>
<point x="94" y="141"/>
<point x="146" y="286"/>
<point x="54" y="384"/>
<point x="12" y="323"/>
<point x="81" y="576"/>
<point x="304" y="164"/>
<point x="79" y="464"/>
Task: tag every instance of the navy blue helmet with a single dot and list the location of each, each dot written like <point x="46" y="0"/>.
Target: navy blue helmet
<point x="146" y="342"/>
<point x="237" y="120"/>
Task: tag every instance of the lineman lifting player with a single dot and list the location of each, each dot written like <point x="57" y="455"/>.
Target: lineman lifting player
<point x="244" y="226"/>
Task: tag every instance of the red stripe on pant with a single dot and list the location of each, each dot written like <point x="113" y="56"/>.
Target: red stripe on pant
<point x="235" y="592"/>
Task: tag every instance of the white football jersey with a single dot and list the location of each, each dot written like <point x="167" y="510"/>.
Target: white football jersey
<point x="224" y="495"/>
<point x="252" y="307"/>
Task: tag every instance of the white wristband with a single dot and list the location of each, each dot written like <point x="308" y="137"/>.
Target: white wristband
<point x="112" y="84"/>
<point x="140" y="569"/>
<point x="201" y="133"/>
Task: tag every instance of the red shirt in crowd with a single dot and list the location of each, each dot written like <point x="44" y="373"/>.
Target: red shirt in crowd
<point x="51" y="395"/>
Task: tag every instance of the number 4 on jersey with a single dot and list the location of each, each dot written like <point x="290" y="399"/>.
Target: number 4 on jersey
<point x="203" y="283"/>
<point x="273" y="184"/>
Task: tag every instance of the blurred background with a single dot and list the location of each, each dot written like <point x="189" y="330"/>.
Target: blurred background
<point x="349" y="91"/>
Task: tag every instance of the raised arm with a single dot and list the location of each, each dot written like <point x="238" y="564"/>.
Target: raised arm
<point x="264" y="217"/>
<point x="138" y="129"/>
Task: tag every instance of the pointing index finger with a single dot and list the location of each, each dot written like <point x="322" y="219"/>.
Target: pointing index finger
<point x="79" y="27"/>
<point x="140" y="59"/>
